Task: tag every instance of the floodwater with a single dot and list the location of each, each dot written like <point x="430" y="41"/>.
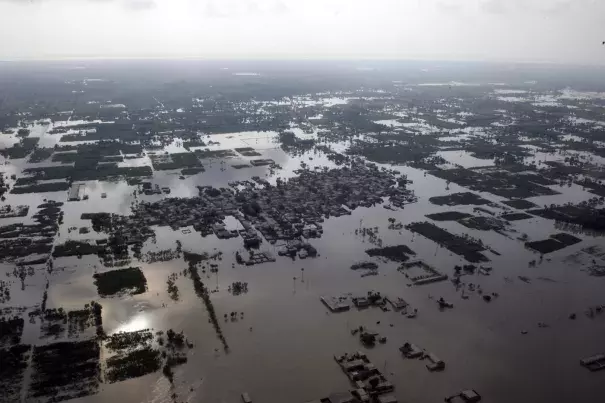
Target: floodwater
<point x="464" y="159"/>
<point x="281" y="351"/>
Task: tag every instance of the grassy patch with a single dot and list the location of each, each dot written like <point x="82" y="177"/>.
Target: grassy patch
<point x="65" y="370"/>
<point x="130" y="280"/>
<point x="132" y="365"/>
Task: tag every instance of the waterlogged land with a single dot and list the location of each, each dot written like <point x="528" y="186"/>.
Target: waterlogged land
<point x="162" y="241"/>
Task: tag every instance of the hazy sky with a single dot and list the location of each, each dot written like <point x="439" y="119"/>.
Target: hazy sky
<point x="511" y="30"/>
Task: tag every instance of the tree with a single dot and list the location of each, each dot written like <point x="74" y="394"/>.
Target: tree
<point x="167" y="371"/>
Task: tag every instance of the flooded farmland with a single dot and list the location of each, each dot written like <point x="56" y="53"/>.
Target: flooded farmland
<point x="203" y="241"/>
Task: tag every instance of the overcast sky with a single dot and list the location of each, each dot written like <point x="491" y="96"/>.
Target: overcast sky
<point x="569" y="31"/>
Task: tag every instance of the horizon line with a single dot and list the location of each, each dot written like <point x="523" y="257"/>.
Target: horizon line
<point x="290" y="59"/>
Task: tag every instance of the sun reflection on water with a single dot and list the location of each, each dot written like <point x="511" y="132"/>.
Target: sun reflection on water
<point x="138" y="322"/>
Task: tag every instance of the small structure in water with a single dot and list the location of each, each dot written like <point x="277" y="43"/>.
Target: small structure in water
<point x="254" y="257"/>
<point x="444" y="304"/>
<point x="363" y="373"/>
<point x="361" y="302"/>
<point x="398" y="303"/>
<point x="261" y="162"/>
<point x="421" y="273"/>
<point x="435" y="364"/>
<point x="466" y="396"/>
<point x="354" y="396"/>
<point x="74" y="192"/>
<point x="594" y="363"/>
<point x="410" y="350"/>
<point x="387" y="399"/>
<point x="336" y="304"/>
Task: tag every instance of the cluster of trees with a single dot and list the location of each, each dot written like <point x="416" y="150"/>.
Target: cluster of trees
<point x="202" y="292"/>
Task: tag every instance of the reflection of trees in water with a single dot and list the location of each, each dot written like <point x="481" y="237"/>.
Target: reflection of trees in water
<point x="578" y="229"/>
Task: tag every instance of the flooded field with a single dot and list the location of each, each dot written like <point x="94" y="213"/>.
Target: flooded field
<point x="191" y="244"/>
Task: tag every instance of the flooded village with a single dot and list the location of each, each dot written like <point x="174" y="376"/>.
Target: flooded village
<point x="390" y="235"/>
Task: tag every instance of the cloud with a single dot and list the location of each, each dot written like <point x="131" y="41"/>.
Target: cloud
<point x="560" y="7"/>
<point x="239" y="8"/>
<point x="450" y="7"/>
<point x="542" y="7"/>
<point x="139" y="5"/>
<point x="212" y="11"/>
<point x="252" y="7"/>
<point x="279" y="7"/>
<point x="136" y="5"/>
<point x="495" y="6"/>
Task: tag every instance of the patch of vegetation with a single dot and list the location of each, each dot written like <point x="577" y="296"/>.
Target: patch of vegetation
<point x="583" y="215"/>
<point x="554" y="243"/>
<point x="463" y="246"/>
<point x="194" y="258"/>
<point x="202" y="292"/>
<point x="566" y="239"/>
<point x="79" y="321"/>
<point x="133" y="364"/>
<point x="8" y="211"/>
<point x="397" y="253"/>
<point x="129" y="340"/>
<point x="11" y="330"/>
<point x="14" y="363"/>
<point x="495" y="181"/>
<point x="457" y="199"/>
<point x="248" y="152"/>
<point x="23" y="132"/>
<point x="5" y="294"/>
<point x="262" y="162"/>
<point x="53" y="323"/>
<point x="519" y="204"/>
<point x="289" y="142"/>
<point x="37" y="239"/>
<point x="192" y="171"/>
<point x="113" y="158"/>
<point x="193" y="143"/>
<point x="129" y="280"/>
<point x="87" y="170"/>
<point x="546" y="245"/>
<point x="173" y="290"/>
<point x="104" y="132"/>
<point x="26" y="180"/>
<point x="364" y="266"/>
<point x="40" y="154"/>
<point x="483" y="223"/>
<point x="41" y="188"/>
<point x="176" y="341"/>
<point x="238" y="287"/>
<point x="65" y="370"/>
<point x="50" y="173"/>
<point x="21" y="149"/>
<point x="164" y="255"/>
<point x="448" y="216"/>
<point x="207" y="154"/>
<point x="241" y="166"/>
<point x="163" y="162"/>
<point x="75" y="248"/>
<point x="396" y="153"/>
